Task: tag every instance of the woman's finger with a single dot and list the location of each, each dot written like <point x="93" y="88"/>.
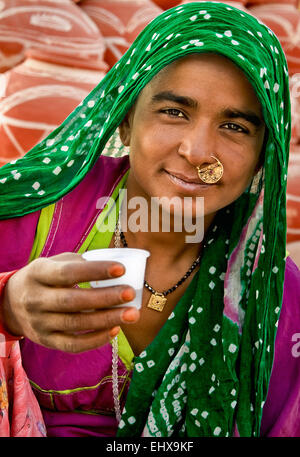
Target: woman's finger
<point x="75" y="343"/>
<point x="72" y="300"/>
<point x="88" y="321"/>
<point x="66" y="273"/>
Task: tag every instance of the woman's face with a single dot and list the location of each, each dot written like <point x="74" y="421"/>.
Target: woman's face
<point x="197" y="107"/>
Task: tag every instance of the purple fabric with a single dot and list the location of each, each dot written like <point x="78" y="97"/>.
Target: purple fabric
<point x="55" y="371"/>
<point x="89" y="374"/>
<point x="17" y="237"/>
<point x="281" y="413"/>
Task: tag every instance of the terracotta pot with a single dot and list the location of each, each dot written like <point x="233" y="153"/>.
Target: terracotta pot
<point x="35" y="98"/>
<point x="284" y="19"/>
<point x="236" y="3"/>
<point x="294" y="251"/>
<point x="293" y="196"/>
<point x="58" y="30"/>
<point x="166" y="4"/>
<point x="120" y="21"/>
<point x="266" y="2"/>
<point x="295" y="108"/>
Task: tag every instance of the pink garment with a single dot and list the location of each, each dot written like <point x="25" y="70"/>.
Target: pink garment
<point x="20" y="414"/>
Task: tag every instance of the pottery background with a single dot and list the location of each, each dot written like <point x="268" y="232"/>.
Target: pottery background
<point x="53" y="52"/>
<point x="119" y="22"/>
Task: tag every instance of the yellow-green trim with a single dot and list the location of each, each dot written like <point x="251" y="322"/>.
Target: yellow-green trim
<point x="77" y="389"/>
<point x="98" y="239"/>
<point x="94" y="412"/>
<point x="42" y="231"/>
<point x="52" y="392"/>
<point x="125" y="352"/>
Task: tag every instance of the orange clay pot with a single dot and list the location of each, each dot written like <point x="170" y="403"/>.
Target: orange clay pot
<point x="120" y="22"/>
<point x="59" y="31"/>
<point x="251" y="3"/>
<point x="284" y="19"/>
<point x="295" y="108"/>
<point x="166" y="4"/>
<point x="293" y="196"/>
<point x="35" y="98"/>
<point x="236" y="3"/>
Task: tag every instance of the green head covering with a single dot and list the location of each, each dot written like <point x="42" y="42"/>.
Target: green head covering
<point x="208" y="370"/>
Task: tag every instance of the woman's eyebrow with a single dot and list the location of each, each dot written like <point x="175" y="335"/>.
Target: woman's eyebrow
<point x="171" y="97"/>
<point x="230" y="113"/>
<point x="249" y="116"/>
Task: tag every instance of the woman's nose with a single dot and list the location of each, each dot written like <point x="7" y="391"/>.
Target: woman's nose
<point x="198" y="145"/>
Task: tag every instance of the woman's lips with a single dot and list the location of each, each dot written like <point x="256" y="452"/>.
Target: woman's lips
<point x="192" y="180"/>
<point x="186" y="182"/>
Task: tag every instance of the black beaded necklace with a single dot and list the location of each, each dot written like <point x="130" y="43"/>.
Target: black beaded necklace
<point x="158" y="299"/>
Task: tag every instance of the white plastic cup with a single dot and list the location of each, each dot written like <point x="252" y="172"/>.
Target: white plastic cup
<point x="134" y="261"/>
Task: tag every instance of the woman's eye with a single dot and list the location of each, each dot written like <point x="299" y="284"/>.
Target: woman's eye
<point x="235" y="127"/>
<point x="173" y="112"/>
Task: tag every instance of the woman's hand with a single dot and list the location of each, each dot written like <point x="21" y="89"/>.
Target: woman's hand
<point x="41" y="303"/>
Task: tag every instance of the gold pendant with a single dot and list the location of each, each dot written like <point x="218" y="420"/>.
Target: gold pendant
<point x="157" y="301"/>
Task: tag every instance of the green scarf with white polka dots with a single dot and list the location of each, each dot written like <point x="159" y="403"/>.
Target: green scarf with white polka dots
<point x="208" y="370"/>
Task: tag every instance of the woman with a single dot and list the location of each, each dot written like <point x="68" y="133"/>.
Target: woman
<point x="202" y="366"/>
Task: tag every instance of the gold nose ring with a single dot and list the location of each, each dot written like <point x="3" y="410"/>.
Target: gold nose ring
<point x="211" y="173"/>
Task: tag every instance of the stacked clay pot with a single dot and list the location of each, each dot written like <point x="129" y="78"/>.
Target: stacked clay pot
<point x="236" y="3"/>
<point x="293" y="205"/>
<point x="293" y="180"/>
<point x="36" y="97"/>
<point x="166" y="4"/>
<point x="62" y="61"/>
<point x="57" y="29"/>
<point x="120" y="22"/>
<point x="283" y="17"/>
<point x="251" y="3"/>
<point x="293" y="195"/>
<point x="293" y="250"/>
<point x="295" y="108"/>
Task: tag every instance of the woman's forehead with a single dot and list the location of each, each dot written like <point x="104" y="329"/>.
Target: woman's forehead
<point x="207" y="60"/>
<point x="213" y="71"/>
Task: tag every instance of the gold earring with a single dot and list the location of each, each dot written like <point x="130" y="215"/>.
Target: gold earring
<point x="212" y="173"/>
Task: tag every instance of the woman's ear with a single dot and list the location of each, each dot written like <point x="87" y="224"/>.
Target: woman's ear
<point x="125" y="129"/>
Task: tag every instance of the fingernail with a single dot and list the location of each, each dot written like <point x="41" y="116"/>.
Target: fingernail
<point x="127" y="294"/>
<point x="114" y="331"/>
<point x="116" y="270"/>
<point x="130" y="315"/>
